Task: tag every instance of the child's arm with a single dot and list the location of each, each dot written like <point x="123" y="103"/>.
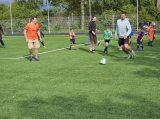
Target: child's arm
<point x="68" y="36"/>
<point x="74" y="34"/>
<point x="142" y="39"/>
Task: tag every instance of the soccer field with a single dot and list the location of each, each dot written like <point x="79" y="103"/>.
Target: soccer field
<point x="72" y="84"/>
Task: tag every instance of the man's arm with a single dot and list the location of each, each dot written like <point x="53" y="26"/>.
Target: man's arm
<point x="39" y="34"/>
<point x="129" y="28"/>
<point x="25" y="34"/>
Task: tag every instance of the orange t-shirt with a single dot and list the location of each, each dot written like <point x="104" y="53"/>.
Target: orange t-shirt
<point x="32" y="31"/>
<point x="151" y="33"/>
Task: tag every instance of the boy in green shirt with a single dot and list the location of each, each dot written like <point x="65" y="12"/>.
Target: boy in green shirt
<point x="107" y="37"/>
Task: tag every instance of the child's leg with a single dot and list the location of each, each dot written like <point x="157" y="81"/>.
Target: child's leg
<point x="106" y="48"/>
<point x="74" y="46"/>
<point x="88" y="39"/>
<point x="137" y="47"/>
<point x="142" y="47"/>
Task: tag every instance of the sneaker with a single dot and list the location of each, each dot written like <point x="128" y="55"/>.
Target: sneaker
<point x="70" y="48"/>
<point x="91" y="52"/>
<point x="151" y="45"/>
<point x="94" y="50"/>
<point x="99" y="44"/>
<point x="120" y="48"/>
<point x="133" y="53"/>
<point x="44" y="46"/>
<point x="129" y="57"/>
<point x="142" y="49"/>
<point x="87" y="45"/>
<point x="4" y="46"/>
<point x="137" y="50"/>
<point x="37" y="59"/>
<point x="30" y="59"/>
<point x="75" y="49"/>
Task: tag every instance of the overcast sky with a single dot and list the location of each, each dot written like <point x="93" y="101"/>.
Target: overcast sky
<point x="7" y="2"/>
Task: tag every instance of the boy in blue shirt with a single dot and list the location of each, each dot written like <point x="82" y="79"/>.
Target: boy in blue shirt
<point x="140" y="39"/>
<point x="107" y="37"/>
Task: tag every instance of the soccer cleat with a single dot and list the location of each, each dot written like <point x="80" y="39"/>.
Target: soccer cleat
<point x="99" y="44"/>
<point x="120" y="48"/>
<point x="142" y="49"/>
<point x="75" y="49"/>
<point x="87" y="45"/>
<point x="133" y="53"/>
<point x="91" y="52"/>
<point x="70" y="48"/>
<point x="4" y="46"/>
<point x="44" y="46"/>
<point x="129" y="57"/>
<point x="137" y="50"/>
<point x="37" y="59"/>
<point x="151" y="45"/>
<point x="94" y="50"/>
<point x="30" y="59"/>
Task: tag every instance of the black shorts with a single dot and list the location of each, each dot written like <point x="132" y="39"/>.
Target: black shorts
<point x="72" y="41"/>
<point x="123" y="41"/>
<point x="107" y="41"/>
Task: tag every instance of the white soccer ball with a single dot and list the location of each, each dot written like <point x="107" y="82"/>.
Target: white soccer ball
<point x="103" y="61"/>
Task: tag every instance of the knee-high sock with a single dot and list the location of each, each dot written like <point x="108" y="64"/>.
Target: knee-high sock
<point x="142" y="46"/>
<point x="42" y="43"/>
<point x="88" y="39"/>
<point x="137" y="47"/>
<point x="97" y="40"/>
<point x="106" y="48"/>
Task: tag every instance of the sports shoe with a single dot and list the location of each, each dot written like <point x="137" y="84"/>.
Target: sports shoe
<point x="44" y="46"/>
<point x="70" y="48"/>
<point x="75" y="49"/>
<point x="129" y="57"/>
<point x="91" y="52"/>
<point x="94" y="50"/>
<point x="133" y="53"/>
<point x="137" y="50"/>
<point x="30" y="59"/>
<point x="99" y="43"/>
<point x="87" y="45"/>
<point x="142" y="49"/>
<point x="4" y="46"/>
<point x="37" y="59"/>
<point x="120" y="48"/>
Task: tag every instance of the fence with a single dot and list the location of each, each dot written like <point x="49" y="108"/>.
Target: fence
<point x="63" y="24"/>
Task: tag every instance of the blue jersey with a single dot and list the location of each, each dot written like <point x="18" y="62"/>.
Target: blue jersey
<point x="140" y="36"/>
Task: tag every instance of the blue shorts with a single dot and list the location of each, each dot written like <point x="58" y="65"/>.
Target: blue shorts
<point x="72" y="41"/>
<point x="140" y="43"/>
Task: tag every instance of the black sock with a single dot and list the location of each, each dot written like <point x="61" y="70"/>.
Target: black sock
<point x="42" y="43"/>
<point x="142" y="46"/>
<point x="153" y="38"/>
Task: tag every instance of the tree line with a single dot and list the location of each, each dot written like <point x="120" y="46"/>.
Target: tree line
<point x="148" y="10"/>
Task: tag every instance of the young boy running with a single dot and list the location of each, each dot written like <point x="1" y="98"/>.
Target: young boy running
<point x="107" y="37"/>
<point x="140" y="39"/>
<point x="151" y="34"/>
<point x="71" y="37"/>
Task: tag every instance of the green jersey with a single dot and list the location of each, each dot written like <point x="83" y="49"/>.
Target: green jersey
<point x="107" y="35"/>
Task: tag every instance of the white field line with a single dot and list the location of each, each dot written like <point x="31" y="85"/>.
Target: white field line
<point x="40" y="53"/>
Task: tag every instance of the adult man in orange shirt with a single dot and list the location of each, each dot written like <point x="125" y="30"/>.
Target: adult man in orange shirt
<point x="30" y="32"/>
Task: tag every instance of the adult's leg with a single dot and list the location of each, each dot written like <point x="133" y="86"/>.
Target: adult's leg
<point x="95" y="41"/>
<point x="36" y="52"/>
<point x="1" y="40"/>
<point x="91" y="40"/>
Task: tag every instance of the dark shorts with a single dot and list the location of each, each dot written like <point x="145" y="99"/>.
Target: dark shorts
<point x="106" y="41"/>
<point x="140" y="43"/>
<point x="72" y="41"/>
<point x="123" y="41"/>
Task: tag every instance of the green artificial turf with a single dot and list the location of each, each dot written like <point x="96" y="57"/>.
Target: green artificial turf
<point x="72" y="84"/>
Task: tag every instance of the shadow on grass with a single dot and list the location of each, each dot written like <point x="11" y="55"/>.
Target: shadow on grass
<point x="79" y="107"/>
